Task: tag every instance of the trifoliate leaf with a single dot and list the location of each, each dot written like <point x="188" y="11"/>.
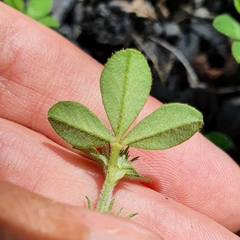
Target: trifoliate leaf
<point x="168" y="126"/>
<point x="227" y="25"/>
<point x="38" y="9"/>
<point x="78" y="126"/>
<point x="125" y="85"/>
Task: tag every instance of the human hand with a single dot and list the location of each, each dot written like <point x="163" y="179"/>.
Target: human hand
<point x="195" y="189"/>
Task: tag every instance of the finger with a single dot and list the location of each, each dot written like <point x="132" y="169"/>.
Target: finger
<point x="199" y="175"/>
<point x="195" y="173"/>
<point x="25" y="215"/>
<point x="38" y="164"/>
<point x="38" y="68"/>
<point x="34" y="86"/>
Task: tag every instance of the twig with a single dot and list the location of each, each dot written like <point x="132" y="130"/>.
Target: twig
<point x="224" y="90"/>
<point x="193" y="78"/>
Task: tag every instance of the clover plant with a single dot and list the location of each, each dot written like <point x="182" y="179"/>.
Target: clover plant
<point x="36" y="9"/>
<point x="228" y="26"/>
<point x="125" y="85"/>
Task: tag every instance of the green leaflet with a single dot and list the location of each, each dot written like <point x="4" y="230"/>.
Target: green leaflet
<point x="10" y="3"/>
<point x="125" y="85"/>
<point x="221" y="140"/>
<point x="236" y="50"/>
<point x="78" y="126"/>
<point x="227" y="25"/>
<point x="17" y="4"/>
<point x="37" y="9"/>
<point x="237" y="5"/>
<point x="50" y="22"/>
<point x="168" y="126"/>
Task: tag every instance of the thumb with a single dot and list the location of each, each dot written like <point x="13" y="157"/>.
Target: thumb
<point x="25" y="215"/>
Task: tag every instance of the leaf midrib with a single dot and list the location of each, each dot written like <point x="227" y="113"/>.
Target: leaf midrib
<point x="85" y="131"/>
<point x="123" y="99"/>
<point x="159" y="133"/>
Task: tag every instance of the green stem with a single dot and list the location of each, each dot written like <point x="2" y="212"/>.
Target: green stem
<point x="110" y="178"/>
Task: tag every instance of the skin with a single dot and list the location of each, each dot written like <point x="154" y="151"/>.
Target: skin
<point x="195" y="189"/>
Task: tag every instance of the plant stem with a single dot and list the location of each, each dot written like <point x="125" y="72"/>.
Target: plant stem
<point x="110" y="178"/>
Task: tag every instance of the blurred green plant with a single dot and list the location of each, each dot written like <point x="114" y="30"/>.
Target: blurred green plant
<point x="220" y="139"/>
<point x="36" y="9"/>
<point x="228" y="26"/>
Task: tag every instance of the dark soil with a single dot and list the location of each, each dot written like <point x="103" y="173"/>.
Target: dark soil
<point x="191" y="62"/>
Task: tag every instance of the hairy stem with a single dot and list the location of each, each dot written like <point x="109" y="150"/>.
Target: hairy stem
<point x="110" y="178"/>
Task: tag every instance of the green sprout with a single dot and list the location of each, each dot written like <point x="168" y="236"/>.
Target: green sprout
<point x="36" y="9"/>
<point x="228" y="26"/>
<point x="125" y="85"/>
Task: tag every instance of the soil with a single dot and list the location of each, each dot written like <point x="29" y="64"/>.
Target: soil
<point x="191" y="62"/>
